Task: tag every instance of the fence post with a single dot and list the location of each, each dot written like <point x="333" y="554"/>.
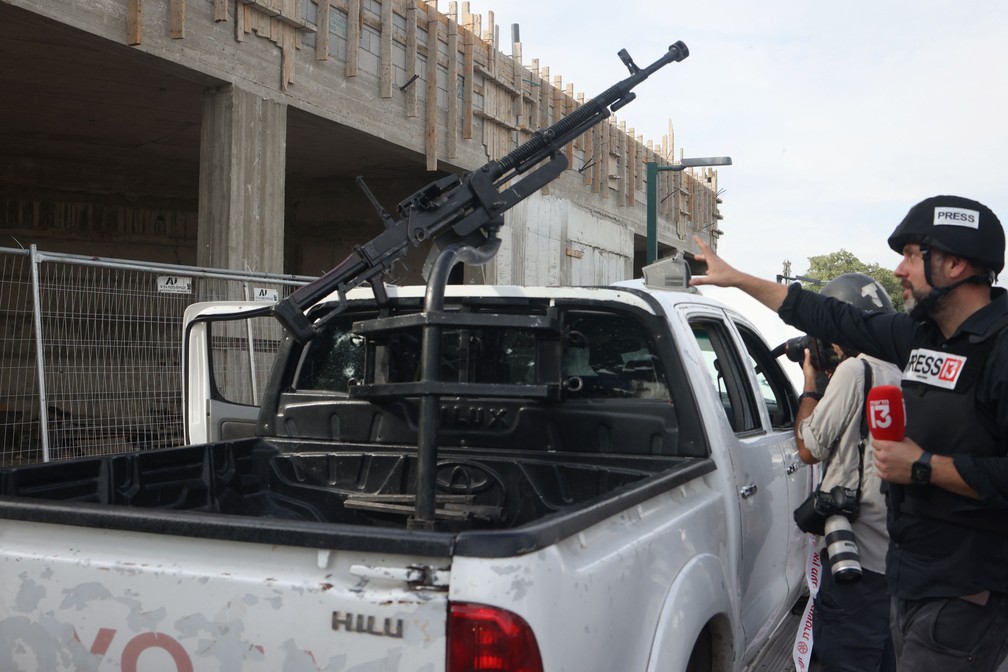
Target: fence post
<point x="251" y="351"/>
<point x="39" y="354"/>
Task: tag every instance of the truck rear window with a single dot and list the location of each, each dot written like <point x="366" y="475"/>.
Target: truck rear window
<point x="603" y="354"/>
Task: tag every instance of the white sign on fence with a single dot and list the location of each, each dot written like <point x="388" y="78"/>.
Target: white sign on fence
<point x="174" y="284"/>
<point x="263" y="294"/>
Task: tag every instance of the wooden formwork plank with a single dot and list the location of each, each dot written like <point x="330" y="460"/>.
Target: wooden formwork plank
<point x="257" y="22"/>
<point x="509" y="127"/>
<point x="535" y="93"/>
<point x="641" y="158"/>
<point x="176" y="19"/>
<point x="489" y="37"/>
<point x="606" y="134"/>
<point x="468" y="46"/>
<point x="497" y="76"/>
<point x="490" y="90"/>
<point x="620" y="136"/>
<point x="557" y="95"/>
<point x="220" y="11"/>
<point x="545" y="99"/>
<point x="385" y="48"/>
<point x="431" y="125"/>
<point x="568" y="107"/>
<point x="134" y="22"/>
<point x="241" y="21"/>
<point x="584" y="142"/>
<point x="451" y="127"/>
<point x="353" y="37"/>
<point x="490" y="100"/>
<point x="477" y="28"/>
<point x="590" y="157"/>
<point x="517" y="72"/>
<point x="322" y="38"/>
<point x="288" y="48"/>
<point x="596" y="166"/>
<point x="632" y="169"/>
<point x="411" y="60"/>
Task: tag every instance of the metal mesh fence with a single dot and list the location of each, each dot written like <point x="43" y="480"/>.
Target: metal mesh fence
<point x="19" y="430"/>
<point x="90" y="357"/>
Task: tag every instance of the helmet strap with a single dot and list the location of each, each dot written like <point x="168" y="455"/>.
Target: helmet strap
<point x="925" y="251"/>
<point x="928" y="303"/>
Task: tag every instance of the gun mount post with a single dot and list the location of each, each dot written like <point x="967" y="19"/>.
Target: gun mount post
<point x="430" y="372"/>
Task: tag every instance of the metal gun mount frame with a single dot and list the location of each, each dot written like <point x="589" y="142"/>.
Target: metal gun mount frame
<point x="462" y="216"/>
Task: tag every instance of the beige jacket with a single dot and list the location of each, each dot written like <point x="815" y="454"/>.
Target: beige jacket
<point x="838" y="414"/>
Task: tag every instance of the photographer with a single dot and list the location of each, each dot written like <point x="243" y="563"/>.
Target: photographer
<point x="851" y="618"/>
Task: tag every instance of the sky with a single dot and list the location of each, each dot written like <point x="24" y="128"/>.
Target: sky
<point x="838" y="117"/>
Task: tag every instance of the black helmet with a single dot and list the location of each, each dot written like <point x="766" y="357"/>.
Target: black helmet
<point x="859" y="290"/>
<point x="959" y="226"/>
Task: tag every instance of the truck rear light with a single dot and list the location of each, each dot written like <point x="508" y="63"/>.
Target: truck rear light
<point x="488" y="639"/>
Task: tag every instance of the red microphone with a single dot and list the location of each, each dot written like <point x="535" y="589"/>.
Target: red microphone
<point x="886" y="413"/>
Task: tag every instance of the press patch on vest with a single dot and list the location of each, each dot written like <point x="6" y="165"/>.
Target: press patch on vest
<point x="957" y="217"/>
<point x="935" y="368"/>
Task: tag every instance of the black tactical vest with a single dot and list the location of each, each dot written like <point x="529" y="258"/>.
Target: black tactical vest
<point x="945" y="418"/>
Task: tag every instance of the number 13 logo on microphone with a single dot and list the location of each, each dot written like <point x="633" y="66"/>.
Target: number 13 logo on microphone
<point x="886" y="414"/>
<point x="879" y="414"/>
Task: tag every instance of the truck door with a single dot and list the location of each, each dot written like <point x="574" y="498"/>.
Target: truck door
<point x="777" y="395"/>
<point x="228" y="349"/>
<point x="759" y="471"/>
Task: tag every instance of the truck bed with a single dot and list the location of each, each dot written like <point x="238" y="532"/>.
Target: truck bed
<point x="492" y="502"/>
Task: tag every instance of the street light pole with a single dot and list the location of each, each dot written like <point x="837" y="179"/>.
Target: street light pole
<point x="652" y="193"/>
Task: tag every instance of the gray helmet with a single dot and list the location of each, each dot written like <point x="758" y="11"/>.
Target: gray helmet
<point x="859" y="290"/>
<point x="957" y="225"/>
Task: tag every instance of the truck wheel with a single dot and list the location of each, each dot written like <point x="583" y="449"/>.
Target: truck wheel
<point x="702" y="657"/>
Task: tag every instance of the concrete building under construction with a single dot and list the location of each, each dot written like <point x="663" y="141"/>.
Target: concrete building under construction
<point x="229" y="133"/>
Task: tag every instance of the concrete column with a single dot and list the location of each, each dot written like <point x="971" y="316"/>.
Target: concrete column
<point x="243" y="151"/>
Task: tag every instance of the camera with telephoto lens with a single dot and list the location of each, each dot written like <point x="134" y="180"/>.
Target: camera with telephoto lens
<point x="842" y="550"/>
<point x="824" y="358"/>
<point x="839" y="501"/>
<point x="841" y="506"/>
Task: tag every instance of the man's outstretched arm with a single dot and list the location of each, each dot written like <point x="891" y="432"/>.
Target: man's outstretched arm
<point x="721" y="274"/>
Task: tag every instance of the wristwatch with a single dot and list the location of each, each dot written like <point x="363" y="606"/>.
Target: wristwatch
<point x="920" y="471"/>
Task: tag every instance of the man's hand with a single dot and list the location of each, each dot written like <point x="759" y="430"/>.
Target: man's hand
<point x="719" y="272"/>
<point x="893" y="460"/>
<point x="810" y="373"/>
<point x="722" y="274"/>
<point x="805" y="408"/>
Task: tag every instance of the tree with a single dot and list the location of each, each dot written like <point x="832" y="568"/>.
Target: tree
<point x="828" y="266"/>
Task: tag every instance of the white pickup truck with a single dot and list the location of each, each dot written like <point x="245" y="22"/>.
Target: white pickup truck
<point x="590" y="479"/>
<point x="437" y="479"/>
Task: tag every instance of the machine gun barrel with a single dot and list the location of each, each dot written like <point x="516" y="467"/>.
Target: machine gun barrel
<point x="583" y="118"/>
<point x="464" y="206"/>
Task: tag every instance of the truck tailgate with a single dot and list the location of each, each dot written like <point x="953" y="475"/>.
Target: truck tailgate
<point x="83" y="598"/>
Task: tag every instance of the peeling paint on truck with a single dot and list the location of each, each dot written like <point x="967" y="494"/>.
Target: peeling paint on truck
<point x="185" y="604"/>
